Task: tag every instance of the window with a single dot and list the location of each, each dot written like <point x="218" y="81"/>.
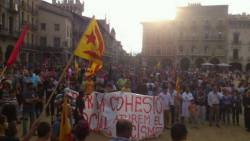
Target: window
<point x="219" y="47"/>
<point x="181" y="35"/>
<point x="192" y="49"/>
<point x="3" y="20"/>
<point x="206" y="25"/>
<point x="32" y="39"/>
<point x="11" y="24"/>
<point x="219" y="35"/>
<point x="193" y="26"/>
<point x="43" y="41"/>
<point x="57" y="42"/>
<point x="43" y="26"/>
<point x="236" y="38"/>
<point x="180" y="49"/>
<point x="206" y="35"/>
<point x="22" y="17"/>
<point x="235" y="54"/>
<point x="57" y="27"/>
<point x="219" y="25"/>
<point x="158" y="51"/>
<point x="206" y="48"/>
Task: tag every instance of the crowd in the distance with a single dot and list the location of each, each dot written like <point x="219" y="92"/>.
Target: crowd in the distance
<point x="213" y="97"/>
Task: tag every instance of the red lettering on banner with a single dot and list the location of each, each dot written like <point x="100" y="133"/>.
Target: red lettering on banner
<point x="147" y="119"/>
<point x="100" y="122"/>
<point x="85" y="116"/>
<point x="149" y="103"/>
<point x="143" y="130"/>
<point x="134" y="118"/>
<point x="157" y="120"/>
<point x="89" y="100"/>
<point x="116" y="100"/>
<point x="140" y="119"/>
<point x="127" y="103"/>
<point x="100" y="104"/>
<point x="150" y="131"/>
<point x="138" y="104"/>
<point x="93" y="119"/>
<point x="143" y="111"/>
<point x="157" y="103"/>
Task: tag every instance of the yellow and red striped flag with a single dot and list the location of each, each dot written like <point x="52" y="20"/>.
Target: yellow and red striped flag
<point x="177" y="86"/>
<point x="65" y="127"/>
<point x="91" y="48"/>
<point x="76" y="70"/>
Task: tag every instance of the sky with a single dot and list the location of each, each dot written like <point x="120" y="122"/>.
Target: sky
<point x="126" y="16"/>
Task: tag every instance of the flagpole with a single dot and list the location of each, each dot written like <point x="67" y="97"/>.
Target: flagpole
<point x="3" y="71"/>
<point x="59" y="81"/>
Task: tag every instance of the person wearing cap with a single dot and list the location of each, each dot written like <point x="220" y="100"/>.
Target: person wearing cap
<point x="246" y="103"/>
<point x="123" y="130"/>
<point x="179" y="132"/>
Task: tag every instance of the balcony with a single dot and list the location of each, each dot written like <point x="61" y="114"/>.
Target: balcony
<point x="236" y="43"/>
<point x="13" y="8"/>
<point x="34" y="27"/>
<point x="213" y="38"/>
<point x="34" y="12"/>
<point x="234" y="59"/>
<point x="4" y="31"/>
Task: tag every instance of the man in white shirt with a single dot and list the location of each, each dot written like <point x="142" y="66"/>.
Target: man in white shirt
<point x="186" y="97"/>
<point x="213" y="101"/>
<point x="173" y="102"/>
<point x="166" y="105"/>
<point x="150" y="88"/>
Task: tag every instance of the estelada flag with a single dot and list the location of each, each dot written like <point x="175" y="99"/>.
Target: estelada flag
<point x="65" y="128"/>
<point x="92" y="69"/>
<point x="76" y="69"/>
<point x="15" y="50"/>
<point x="91" y="47"/>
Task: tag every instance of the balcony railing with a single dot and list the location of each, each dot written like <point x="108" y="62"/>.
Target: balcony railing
<point x="236" y="43"/>
<point x="13" y="7"/>
<point x="34" y="27"/>
<point x="4" y="31"/>
<point x="213" y="38"/>
<point x="236" y="59"/>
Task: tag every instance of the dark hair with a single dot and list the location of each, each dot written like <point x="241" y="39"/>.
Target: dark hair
<point x="43" y="129"/>
<point x="178" y="132"/>
<point x="81" y="130"/>
<point x="124" y="128"/>
<point x="11" y="131"/>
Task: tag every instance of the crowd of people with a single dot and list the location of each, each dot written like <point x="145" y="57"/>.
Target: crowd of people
<point x="198" y="97"/>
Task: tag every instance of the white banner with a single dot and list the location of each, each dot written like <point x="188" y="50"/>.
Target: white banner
<point x="145" y="112"/>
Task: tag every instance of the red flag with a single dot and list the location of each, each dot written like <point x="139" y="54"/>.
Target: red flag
<point x="15" y="51"/>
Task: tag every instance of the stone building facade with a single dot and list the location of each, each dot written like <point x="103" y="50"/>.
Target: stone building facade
<point x="197" y="35"/>
<point x="28" y="14"/>
<point x="9" y="27"/>
<point x="54" y="31"/>
<point x="239" y="41"/>
<point x="55" y="34"/>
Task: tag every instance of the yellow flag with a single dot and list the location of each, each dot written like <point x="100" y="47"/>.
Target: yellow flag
<point x="65" y="128"/>
<point x="91" y="45"/>
<point x="76" y="69"/>
<point x="158" y="66"/>
<point x="92" y="69"/>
